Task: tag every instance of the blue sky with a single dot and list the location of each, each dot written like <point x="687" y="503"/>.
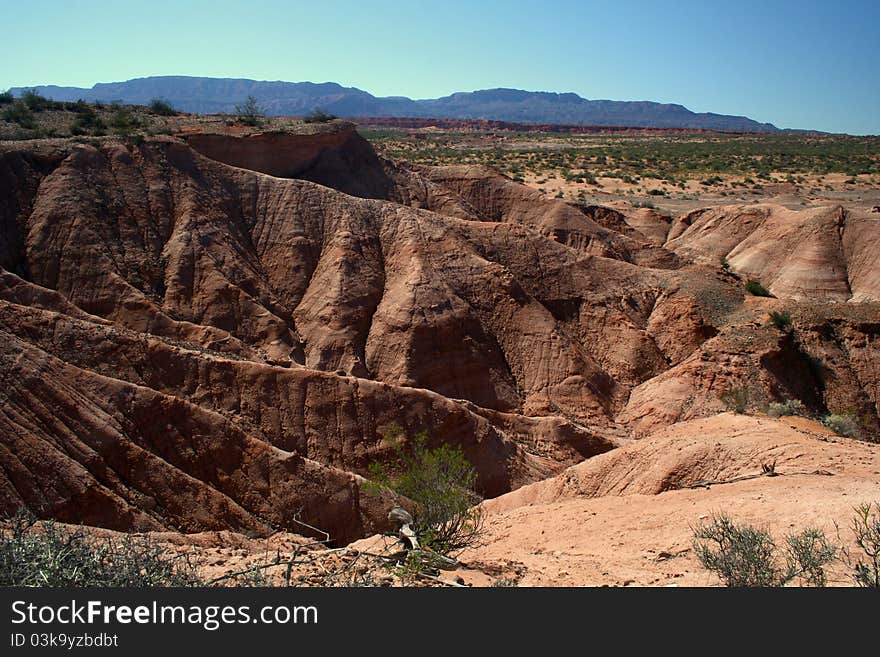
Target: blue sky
<point x="800" y="64"/>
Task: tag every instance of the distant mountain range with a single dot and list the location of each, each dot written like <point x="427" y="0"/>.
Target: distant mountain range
<point x="221" y="95"/>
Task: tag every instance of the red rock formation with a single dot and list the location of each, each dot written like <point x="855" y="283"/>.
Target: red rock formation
<point x="816" y="254"/>
<point x="277" y="153"/>
<point x="192" y="343"/>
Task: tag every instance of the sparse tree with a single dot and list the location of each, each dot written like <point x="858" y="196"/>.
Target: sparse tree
<point x="250" y="112"/>
<point x="440" y="481"/>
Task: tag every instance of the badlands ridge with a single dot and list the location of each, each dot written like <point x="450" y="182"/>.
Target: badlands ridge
<point x="211" y="332"/>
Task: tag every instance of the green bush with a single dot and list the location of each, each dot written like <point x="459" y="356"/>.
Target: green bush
<point x="6" y="98"/>
<point x="34" y="101"/>
<point x="781" y="320"/>
<point x="786" y="408"/>
<point x="250" y="113"/>
<point x="18" y="112"/>
<point x="744" y="556"/>
<point x="756" y="289"/>
<point x="162" y="107"/>
<point x="843" y="425"/>
<point x="123" y="121"/>
<point x="87" y="121"/>
<point x="866" y="527"/>
<point x="318" y="116"/>
<point x="440" y="481"/>
<point x="49" y="554"/>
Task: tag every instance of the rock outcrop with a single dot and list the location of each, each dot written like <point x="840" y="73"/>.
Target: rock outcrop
<point x="818" y="254"/>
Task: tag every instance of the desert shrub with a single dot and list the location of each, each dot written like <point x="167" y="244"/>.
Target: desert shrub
<point x="6" y="98"/>
<point x="786" y="408"/>
<point x="250" y="112"/>
<point x="75" y="106"/>
<point x="744" y="556"/>
<point x="756" y="289"/>
<point x="87" y="121"/>
<point x="53" y="555"/>
<point x="19" y="112"/>
<point x="781" y="320"/>
<point x="123" y="121"/>
<point x="866" y="566"/>
<point x="162" y="107"/>
<point x="737" y="399"/>
<point x="440" y="481"/>
<point x="740" y="556"/>
<point x="843" y="425"/>
<point x="318" y="116"/>
<point x="34" y="101"/>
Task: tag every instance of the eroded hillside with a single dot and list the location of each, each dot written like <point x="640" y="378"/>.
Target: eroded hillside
<point x="215" y="332"/>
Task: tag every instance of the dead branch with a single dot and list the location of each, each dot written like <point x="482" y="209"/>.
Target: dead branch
<point x="767" y="471"/>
